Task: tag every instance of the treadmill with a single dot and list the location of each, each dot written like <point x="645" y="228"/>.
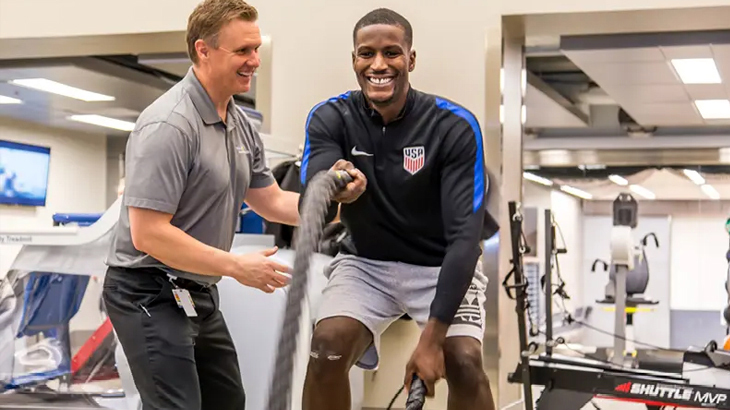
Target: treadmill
<point x="94" y="360"/>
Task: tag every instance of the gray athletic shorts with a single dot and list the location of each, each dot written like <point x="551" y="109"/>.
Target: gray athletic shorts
<point x="378" y="293"/>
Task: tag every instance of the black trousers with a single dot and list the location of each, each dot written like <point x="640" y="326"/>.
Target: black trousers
<point x="177" y="362"/>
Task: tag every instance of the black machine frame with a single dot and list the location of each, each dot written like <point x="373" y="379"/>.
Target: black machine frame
<point x="570" y="383"/>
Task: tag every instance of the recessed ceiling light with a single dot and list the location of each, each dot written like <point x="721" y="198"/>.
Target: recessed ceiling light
<point x="710" y="191"/>
<point x="640" y="190"/>
<point x="618" y="180"/>
<point x="697" y="70"/>
<point x="694" y="176"/>
<point x="103" y="122"/>
<point x="535" y="178"/>
<point x="713" y="109"/>
<point x="50" y="86"/>
<point x="9" y="100"/>
<point x="576" y="192"/>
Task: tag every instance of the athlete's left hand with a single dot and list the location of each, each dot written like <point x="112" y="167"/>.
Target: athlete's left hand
<point x="354" y="189"/>
<point x="427" y="362"/>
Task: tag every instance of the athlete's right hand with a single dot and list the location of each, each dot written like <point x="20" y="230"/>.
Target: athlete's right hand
<point x="258" y="271"/>
<point x="355" y="188"/>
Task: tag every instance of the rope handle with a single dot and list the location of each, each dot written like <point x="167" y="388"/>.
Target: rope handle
<point x="416" y="395"/>
<point x="342" y="178"/>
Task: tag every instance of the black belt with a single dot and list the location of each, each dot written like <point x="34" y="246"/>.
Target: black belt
<point x="189" y="284"/>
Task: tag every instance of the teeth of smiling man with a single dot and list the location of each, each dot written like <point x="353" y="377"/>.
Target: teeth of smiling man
<point x="381" y="81"/>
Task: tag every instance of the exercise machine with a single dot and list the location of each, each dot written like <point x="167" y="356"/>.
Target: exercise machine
<point x="695" y="378"/>
<point x="72" y="250"/>
<point x="628" y="276"/>
<point x="725" y="313"/>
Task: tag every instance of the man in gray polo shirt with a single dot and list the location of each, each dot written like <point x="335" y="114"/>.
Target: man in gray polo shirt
<point x="192" y="160"/>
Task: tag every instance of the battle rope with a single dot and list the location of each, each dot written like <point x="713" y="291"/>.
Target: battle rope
<point x="322" y="188"/>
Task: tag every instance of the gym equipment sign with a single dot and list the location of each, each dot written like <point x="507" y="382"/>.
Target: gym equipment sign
<point x="665" y="393"/>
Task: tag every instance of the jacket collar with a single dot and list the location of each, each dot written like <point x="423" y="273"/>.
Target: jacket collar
<point x="374" y="115"/>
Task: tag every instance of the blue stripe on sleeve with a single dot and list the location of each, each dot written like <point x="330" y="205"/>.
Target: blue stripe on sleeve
<point x="479" y="184"/>
<point x="307" y="149"/>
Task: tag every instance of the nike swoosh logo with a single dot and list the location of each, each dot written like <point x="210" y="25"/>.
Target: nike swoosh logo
<point x="357" y="153"/>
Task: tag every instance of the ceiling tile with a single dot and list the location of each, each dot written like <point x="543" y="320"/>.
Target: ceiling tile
<point x="706" y="91"/>
<point x="638" y="54"/>
<point x="675" y="52"/>
<point x="666" y="114"/>
<point x="718" y="122"/>
<point x="547" y="113"/>
<point x="721" y="51"/>
<point x="722" y="61"/>
<point x="631" y="73"/>
<point x="652" y="93"/>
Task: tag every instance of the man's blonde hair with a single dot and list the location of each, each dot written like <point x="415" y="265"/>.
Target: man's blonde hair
<point x="206" y="21"/>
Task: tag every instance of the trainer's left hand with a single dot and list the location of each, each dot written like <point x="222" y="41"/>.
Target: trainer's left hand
<point x="427" y="362"/>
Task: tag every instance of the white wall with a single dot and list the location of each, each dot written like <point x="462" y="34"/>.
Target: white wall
<point x="115" y="146"/>
<point x="568" y="215"/>
<point x="76" y="183"/>
<point x="698" y="264"/>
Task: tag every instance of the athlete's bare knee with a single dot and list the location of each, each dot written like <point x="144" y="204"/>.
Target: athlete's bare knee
<point x="329" y="353"/>
<point x="335" y="344"/>
<point x="463" y="361"/>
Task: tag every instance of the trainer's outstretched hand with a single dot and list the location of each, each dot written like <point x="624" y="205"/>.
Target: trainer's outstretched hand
<point x="257" y="270"/>
<point x="355" y="188"/>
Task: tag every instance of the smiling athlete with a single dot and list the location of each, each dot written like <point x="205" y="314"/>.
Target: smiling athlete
<point x="415" y="212"/>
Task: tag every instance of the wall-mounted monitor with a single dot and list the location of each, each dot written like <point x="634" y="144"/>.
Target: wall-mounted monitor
<point x="23" y="173"/>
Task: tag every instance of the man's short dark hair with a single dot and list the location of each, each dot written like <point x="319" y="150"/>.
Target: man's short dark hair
<point x="385" y="16"/>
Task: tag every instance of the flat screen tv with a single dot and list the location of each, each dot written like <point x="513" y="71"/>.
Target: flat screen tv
<point x="23" y="173"/>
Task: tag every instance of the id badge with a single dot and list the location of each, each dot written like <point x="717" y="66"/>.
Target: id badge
<point x="185" y="301"/>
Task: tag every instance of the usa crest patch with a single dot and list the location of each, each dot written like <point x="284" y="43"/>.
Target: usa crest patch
<point x="413" y="159"/>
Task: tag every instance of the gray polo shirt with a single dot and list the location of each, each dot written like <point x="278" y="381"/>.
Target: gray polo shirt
<point x="182" y="159"/>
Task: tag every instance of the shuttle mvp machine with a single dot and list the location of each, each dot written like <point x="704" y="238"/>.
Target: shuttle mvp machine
<point x="693" y="378"/>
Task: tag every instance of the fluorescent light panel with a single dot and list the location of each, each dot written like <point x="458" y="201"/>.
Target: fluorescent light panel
<point x="713" y="109"/>
<point x="618" y="180"/>
<point x="576" y="192"/>
<point x="535" y="178"/>
<point x="49" y="86"/>
<point x="640" y="190"/>
<point x="697" y="70"/>
<point x="694" y="176"/>
<point x="9" y="100"/>
<point x="710" y="191"/>
<point x="103" y="122"/>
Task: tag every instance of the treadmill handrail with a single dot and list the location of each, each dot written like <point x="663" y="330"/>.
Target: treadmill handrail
<point x="64" y="235"/>
<point x="606" y="367"/>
